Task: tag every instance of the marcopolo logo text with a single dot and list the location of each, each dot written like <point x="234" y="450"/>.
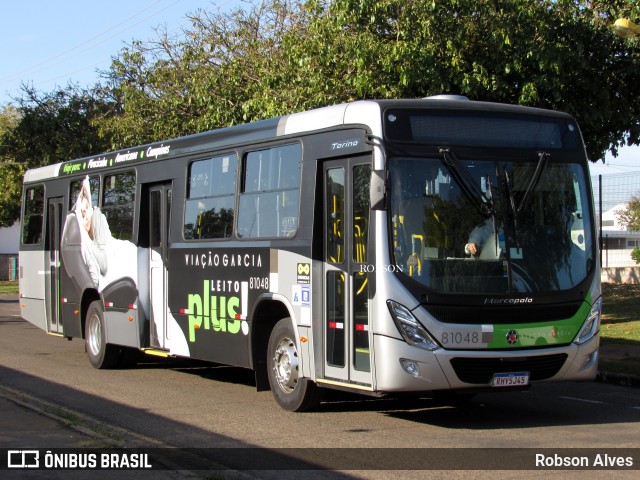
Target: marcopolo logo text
<point x="507" y="301"/>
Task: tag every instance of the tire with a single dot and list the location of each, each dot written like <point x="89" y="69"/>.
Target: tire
<point x="290" y="391"/>
<point x="100" y="353"/>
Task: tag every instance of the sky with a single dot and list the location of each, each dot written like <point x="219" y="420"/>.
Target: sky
<point x="48" y="43"/>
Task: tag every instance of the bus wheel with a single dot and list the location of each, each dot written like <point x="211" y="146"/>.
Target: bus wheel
<point x="101" y="354"/>
<point x="292" y="392"/>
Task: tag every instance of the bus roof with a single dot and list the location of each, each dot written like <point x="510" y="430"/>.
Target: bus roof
<point x="363" y="112"/>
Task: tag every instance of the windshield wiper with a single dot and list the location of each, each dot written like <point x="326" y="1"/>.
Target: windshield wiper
<point x="543" y="157"/>
<point x="512" y="206"/>
<point x="467" y="184"/>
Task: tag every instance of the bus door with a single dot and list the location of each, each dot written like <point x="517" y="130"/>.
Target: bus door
<point x="52" y="262"/>
<point x="159" y="214"/>
<point x="346" y="336"/>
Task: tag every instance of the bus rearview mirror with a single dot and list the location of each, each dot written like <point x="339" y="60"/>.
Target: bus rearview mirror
<point x="377" y="190"/>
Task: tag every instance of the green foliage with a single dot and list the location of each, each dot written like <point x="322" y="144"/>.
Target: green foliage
<point x="10" y="172"/>
<point x="629" y="217"/>
<point x="46" y="128"/>
<point x="553" y="54"/>
<point x="57" y="126"/>
<point x="284" y="56"/>
<point x="214" y="75"/>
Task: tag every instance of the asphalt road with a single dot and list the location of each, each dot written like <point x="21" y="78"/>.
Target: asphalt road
<point x="177" y="403"/>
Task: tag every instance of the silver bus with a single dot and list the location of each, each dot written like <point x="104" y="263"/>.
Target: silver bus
<point x="438" y="244"/>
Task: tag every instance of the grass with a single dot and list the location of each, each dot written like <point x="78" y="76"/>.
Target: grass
<point x="629" y="365"/>
<point x="620" y="329"/>
<point x="8" y="288"/>
<point x="620" y="314"/>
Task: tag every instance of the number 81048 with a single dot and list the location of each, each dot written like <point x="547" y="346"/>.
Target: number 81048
<point x="460" y="338"/>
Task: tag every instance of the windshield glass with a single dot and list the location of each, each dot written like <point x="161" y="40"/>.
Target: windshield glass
<point x="476" y="226"/>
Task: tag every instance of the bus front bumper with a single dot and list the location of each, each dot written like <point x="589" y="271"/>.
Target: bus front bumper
<point x="416" y="369"/>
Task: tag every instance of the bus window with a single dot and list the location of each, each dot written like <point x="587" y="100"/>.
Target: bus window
<point x="335" y="213"/>
<point x="209" y="209"/>
<point x="32" y="220"/>
<point x="361" y="178"/>
<point x="269" y="201"/>
<point x="118" y="199"/>
<point x="76" y="185"/>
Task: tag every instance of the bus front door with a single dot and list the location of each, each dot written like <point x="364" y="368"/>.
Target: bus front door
<point x="346" y="336"/>
<point x="159" y="213"/>
<point x="52" y="278"/>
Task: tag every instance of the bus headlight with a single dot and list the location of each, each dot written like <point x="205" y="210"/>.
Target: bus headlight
<point x="591" y="324"/>
<point x="410" y="328"/>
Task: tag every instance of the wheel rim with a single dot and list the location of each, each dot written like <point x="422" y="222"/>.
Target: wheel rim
<point x="94" y="335"/>
<point x="285" y="365"/>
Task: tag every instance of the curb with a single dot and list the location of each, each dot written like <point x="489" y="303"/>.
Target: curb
<point x="621" y="379"/>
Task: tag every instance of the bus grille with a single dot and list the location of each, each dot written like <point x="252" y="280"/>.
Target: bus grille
<point x="481" y="370"/>
<point x="478" y="314"/>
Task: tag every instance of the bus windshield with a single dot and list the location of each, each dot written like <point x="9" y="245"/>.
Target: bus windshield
<point x="465" y="225"/>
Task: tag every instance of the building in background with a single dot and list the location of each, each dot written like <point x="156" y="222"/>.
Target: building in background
<point x="9" y="246"/>
<point x="617" y="242"/>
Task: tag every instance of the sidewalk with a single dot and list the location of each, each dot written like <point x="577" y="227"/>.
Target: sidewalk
<point x="23" y="426"/>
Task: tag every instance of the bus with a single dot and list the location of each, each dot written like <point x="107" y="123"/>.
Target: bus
<point x="431" y="245"/>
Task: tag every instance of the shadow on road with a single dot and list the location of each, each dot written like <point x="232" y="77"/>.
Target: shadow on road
<point x="542" y="405"/>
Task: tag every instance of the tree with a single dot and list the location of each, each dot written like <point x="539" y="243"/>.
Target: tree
<point x="10" y="171"/>
<point x="285" y="56"/>
<point x="629" y="217"/>
<point x="209" y="77"/>
<point x="46" y="128"/>
<point x="559" y="54"/>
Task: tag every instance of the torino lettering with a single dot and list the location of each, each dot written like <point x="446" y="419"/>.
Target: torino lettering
<point x="217" y="312"/>
<point x="347" y="144"/>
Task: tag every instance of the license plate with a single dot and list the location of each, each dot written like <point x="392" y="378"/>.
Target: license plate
<point x="516" y="379"/>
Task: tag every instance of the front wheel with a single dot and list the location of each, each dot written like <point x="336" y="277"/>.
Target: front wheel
<point x="101" y="354"/>
<point x="292" y="392"/>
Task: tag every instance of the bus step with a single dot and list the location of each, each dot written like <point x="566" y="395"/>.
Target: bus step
<point x="156" y="353"/>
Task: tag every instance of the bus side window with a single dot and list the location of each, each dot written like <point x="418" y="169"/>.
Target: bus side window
<point x="209" y="210"/>
<point x="361" y="177"/>
<point x="33" y="204"/>
<point x="118" y="199"/>
<point x="269" y="202"/>
<point x="76" y="185"/>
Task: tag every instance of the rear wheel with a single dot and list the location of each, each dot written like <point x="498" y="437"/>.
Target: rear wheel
<point x="292" y="392"/>
<point x="101" y="354"/>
